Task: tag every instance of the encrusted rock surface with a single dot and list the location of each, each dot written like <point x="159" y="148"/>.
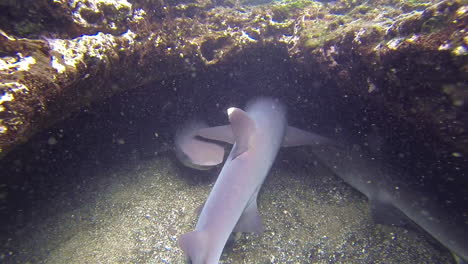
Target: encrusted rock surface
<point x="407" y="56"/>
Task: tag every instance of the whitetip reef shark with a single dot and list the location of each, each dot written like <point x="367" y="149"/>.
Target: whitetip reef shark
<point x="256" y="134"/>
<point x="394" y="200"/>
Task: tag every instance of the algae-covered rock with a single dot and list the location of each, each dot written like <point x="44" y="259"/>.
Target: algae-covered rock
<point x="59" y="56"/>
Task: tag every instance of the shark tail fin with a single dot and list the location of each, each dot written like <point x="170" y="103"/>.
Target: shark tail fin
<point x="297" y="137"/>
<point x="194" y="246"/>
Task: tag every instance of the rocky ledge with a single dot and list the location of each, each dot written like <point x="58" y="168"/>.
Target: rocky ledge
<point x="409" y="57"/>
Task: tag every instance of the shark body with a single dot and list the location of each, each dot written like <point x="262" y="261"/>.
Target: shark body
<point x="394" y="200"/>
<point x="257" y="135"/>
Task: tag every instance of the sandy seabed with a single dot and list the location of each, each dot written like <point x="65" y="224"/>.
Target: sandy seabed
<point x="134" y="212"/>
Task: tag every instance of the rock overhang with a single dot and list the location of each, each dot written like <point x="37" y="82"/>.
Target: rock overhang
<point x="113" y="46"/>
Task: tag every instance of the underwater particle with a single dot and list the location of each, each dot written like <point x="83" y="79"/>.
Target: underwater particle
<point x="372" y="87"/>
<point x="344" y="75"/>
<point x="458" y="102"/>
<point x="457" y="155"/>
<point x="52" y="141"/>
<point x="115" y="87"/>
<point x="156" y="134"/>
<point x="449" y="88"/>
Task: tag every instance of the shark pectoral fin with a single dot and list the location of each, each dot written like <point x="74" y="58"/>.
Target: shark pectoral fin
<point x="194" y="152"/>
<point x="298" y="137"/>
<point x="250" y="220"/>
<point x="218" y="133"/>
<point x="194" y="245"/>
<point x="387" y="214"/>
<point x="242" y="128"/>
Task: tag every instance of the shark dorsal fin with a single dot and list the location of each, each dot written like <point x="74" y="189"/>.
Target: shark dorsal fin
<point x="242" y="128"/>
